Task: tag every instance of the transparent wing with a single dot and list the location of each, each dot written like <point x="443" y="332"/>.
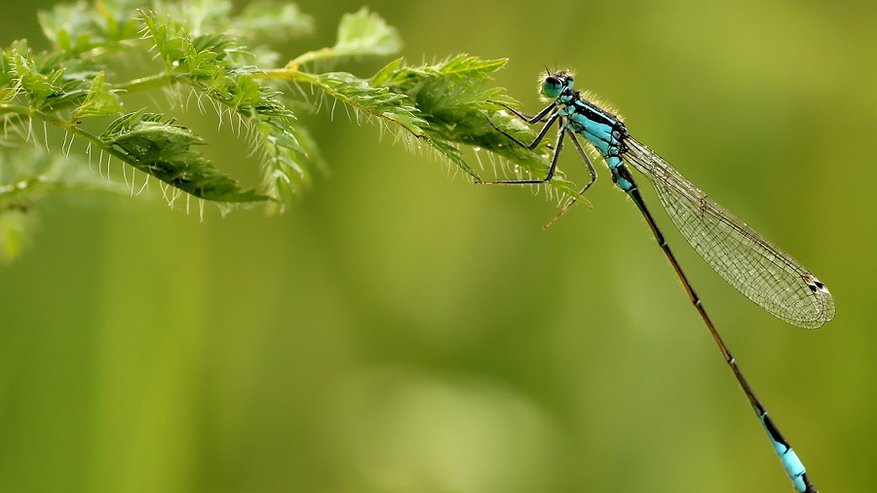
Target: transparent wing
<point x="747" y="261"/>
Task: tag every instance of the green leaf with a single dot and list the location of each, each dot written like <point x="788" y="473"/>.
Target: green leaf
<point x="205" y="63"/>
<point x="272" y="20"/>
<point x="461" y="67"/>
<point x="116" y="20"/>
<point x="375" y="101"/>
<point x="168" y="38"/>
<point x="68" y="26"/>
<point x="99" y="101"/>
<point x="284" y="157"/>
<point x="364" y="33"/>
<point x="163" y="149"/>
<point x="49" y="80"/>
<point x="9" y="87"/>
<point x="392" y="107"/>
<point x="39" y="87"/>
<point x="76" y="28"/>
<point x="359" y="34"/>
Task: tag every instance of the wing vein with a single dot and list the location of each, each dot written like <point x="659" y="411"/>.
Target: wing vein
<point x="746" y="260"/>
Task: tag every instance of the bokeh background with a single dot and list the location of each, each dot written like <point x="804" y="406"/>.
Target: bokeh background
<point x="399" y="331"/>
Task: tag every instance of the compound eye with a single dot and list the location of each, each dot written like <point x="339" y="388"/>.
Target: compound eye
<point x="552" y="86"/>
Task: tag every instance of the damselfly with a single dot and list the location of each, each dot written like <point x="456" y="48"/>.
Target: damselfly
<point x="747" y="261"/>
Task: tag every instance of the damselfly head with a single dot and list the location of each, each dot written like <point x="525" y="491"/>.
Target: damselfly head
<point x="554" y="84"/>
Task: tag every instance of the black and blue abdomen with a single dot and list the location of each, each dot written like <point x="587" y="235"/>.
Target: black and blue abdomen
<point x="605" y="132"/>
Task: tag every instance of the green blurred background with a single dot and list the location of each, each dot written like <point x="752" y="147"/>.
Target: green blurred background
<point x="398" y="331"/>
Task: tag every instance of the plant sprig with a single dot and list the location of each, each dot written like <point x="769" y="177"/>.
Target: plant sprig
<point x="103" y="55"/>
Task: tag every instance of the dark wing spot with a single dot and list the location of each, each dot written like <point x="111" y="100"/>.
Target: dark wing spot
<point x="814" y="284"/>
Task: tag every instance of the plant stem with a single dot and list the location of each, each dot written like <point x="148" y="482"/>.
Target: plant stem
<point x="288" y="73"/>
<point x="65" y="125"/>
<point x="310" y="56"/>
<point x="146" y="83"/>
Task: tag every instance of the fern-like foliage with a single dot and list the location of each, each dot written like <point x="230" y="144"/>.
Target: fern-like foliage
<point x="74" y="104"/>
<point x="163" y="149"/>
